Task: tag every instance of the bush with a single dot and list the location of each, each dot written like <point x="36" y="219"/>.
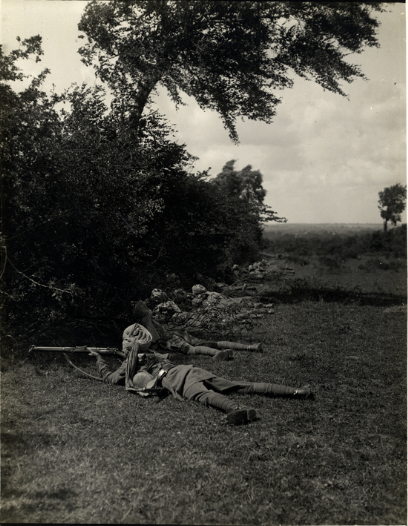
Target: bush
<point x="350" y="253"/>
<point x="97" y="212"/>
<point x="331" y="263"/>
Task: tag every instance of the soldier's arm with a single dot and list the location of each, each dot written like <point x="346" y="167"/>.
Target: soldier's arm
<point x="116" y="377"/>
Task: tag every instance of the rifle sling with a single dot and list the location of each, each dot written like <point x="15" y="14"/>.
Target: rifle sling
<point x="80" y="370"/>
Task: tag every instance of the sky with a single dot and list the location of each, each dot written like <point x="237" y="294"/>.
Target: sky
<point x="323" y="159"/>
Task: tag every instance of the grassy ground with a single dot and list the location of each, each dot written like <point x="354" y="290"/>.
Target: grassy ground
<point x="77" y="451"/>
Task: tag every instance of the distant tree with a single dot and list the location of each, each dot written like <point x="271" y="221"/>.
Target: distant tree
<point x="392" y="203"/>
<point x="246" y="183"/>
<point x="231" y="57"/>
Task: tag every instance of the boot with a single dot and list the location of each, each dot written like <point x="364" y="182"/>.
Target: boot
<point x="257" y="347"/>
<point x="234" y="414"/>
<point x="223" y="356"/>
<point x="304" y="393"/>
<point x="240" y="416"/>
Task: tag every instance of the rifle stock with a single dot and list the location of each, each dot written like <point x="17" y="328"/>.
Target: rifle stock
<point x="83" y="349"/>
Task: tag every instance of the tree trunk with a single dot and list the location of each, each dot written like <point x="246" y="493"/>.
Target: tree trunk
<point x="144" y="90"/>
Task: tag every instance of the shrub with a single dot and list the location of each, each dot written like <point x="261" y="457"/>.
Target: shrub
<point x="97" y="212"/>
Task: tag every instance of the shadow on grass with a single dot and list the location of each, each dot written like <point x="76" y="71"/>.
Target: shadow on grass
<point x="337" y="295"/>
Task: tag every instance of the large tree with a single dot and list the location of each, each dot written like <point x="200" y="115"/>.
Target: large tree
<point x="78" y="206"/>
<point x="231" y="56"/>
<point x="89" y="223"/>
<point x="392" y="202"/>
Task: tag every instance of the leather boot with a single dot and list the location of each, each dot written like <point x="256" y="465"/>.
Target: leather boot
<point x="304" y="393"/>
<point x="234" y="414"/>
<point x="240" y="416"/>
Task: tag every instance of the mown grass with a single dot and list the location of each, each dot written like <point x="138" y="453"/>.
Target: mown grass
<point x="78" y="451"/>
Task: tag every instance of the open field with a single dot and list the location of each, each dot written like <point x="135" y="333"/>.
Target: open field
<point x="77" y="451"/>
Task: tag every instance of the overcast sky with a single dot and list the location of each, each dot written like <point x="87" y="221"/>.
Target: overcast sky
<point x="324" y="158"/>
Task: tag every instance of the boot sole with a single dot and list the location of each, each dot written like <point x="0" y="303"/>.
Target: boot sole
<point x="241" y="416"/>
<point x="305" y="393"/>
<point x="255" y="348"/>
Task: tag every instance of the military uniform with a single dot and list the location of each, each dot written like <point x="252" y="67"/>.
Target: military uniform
<point x="187" y="382"/>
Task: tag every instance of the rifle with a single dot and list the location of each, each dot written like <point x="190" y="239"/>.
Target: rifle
<point x="99" y="350"/>
<point x="82" y="349"/>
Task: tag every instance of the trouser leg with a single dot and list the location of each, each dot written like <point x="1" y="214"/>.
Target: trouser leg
<point x="208" y="351"/>
<point x="208" y="397"/>
<point x="204" y="394"/>
<point x="274" y="390"/>
<point x="201" y="349"/>
<point x="236" y="414"/>
<point x="267" y="389"/>
<point x="232" y="345"/>
<point x="223" y="385"/>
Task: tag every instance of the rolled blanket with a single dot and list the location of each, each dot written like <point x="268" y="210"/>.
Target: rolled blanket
<point x="198" y="289"/>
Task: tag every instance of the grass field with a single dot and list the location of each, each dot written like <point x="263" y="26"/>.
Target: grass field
<point x="77" y="451"/>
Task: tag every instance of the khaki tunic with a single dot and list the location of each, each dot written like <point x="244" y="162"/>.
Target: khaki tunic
<point x="178" y="380"/>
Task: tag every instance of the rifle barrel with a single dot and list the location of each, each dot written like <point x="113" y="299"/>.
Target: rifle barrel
<point x="84" y="349"/>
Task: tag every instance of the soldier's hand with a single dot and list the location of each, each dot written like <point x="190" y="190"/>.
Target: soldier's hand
<point x="94" y="354"/>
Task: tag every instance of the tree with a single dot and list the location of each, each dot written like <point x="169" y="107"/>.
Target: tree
<point x="392" y="203"/>
<point x="231" y="57"/>
<point x="90" y="221"/>
<point x="243" y="195"/>
<point x="78" y="206"/>
<point x="246" y="184"/>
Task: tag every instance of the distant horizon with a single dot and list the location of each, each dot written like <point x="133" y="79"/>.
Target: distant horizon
<point x="325" y="223"/>
<point x="380" y="224"/>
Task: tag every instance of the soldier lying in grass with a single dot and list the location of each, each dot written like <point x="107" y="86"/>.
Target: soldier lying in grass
<point x="177" y="341"/>
<point x="187" y="382"/>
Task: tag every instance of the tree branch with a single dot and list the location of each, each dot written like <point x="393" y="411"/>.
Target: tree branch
<point x="39" y="284"/>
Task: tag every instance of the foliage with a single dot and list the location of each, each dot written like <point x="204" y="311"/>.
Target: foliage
<point x="244" y="194"/>
<point x="391" y="241"/>
<point x="392" y="202"/>
<point x="98" y="203"/>
<point x="98" y="212"/>
<point x="231" y="57"/>
<point x="340" y="246"/>
<point x="30" y="128"/>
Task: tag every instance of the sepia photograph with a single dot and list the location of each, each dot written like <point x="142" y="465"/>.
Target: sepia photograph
<point x="203" y="262"/>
